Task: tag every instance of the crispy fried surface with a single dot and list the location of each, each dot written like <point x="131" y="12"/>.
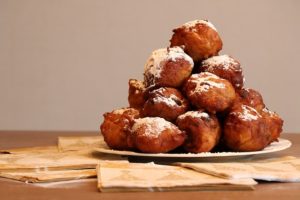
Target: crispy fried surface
<point x="174" y="73"/>
<point x="274" y="123"/>
<point x="116" y="127"/>
<point x="202" y="129"/>
<point x="246" y="130"/>
<point x="203" y="92"/>
<point x="156" y="135"/>
<point x="136" y="94"/>
<point x="225" y="67"/>
<point x="167" y="68"/>
<point x="250" y="97"/>
<point x="209" y="92"/>
<point x="164" y="102"/>
<point x="200" y="41"/>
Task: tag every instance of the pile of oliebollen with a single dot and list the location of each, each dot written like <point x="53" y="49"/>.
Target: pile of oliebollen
<point x="191" y="100"/>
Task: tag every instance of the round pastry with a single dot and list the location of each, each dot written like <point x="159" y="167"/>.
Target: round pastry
<point x="249" y="97"/>
<point x="168" y="67"/>
<point x="202" y="129"/>
<point x="210" y="92"/>
<point x="156" y="135"/>
<point x="164" y="102"/>
<point x="200" y="39"/>
<point x="274" y="123"/>
<point x="245" y="130"/>
<point x="136" y="94"/>
<point x="225" y="67"/>
<point x="116" y="128"/>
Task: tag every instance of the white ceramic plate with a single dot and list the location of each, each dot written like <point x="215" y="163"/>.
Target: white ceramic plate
<point x="273" y="147"/>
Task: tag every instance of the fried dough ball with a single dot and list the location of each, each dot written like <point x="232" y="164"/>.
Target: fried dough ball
<point x="156" y="135"/>
<point x="202" y="129"/>
<point x="246" y="130"/>
<point x="274" y="123"/>
<point x="225" y="67"/>
<point x="164" y="102"/>
<point x="249" y="97"/>
<point x="200" y="39"/>
<point x="136" y="96"/>
<point x="168" y="67"/>
<point x="116" y="128"/>
<point x="210" y="92"/>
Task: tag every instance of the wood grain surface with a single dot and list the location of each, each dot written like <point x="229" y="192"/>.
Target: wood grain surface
<point x="88" y="189"/>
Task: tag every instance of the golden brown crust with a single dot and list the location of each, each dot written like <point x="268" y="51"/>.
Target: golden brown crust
<point x="200" y="39"/>
<point x="168" y="67"/>
<point x="225" y="67"/>
<point x="156" y="135"/>
<point x="164" y="102"/>
<point x="245" y="130"/>
<point x="116" y="128"/>
<point x="208" y="91"/>
<point x="136" y="94"/>
<point x="202" y="129"/>
<point x="274" y="123"/>
<point x="190" y="84"/>
<point x="249" y="97"/>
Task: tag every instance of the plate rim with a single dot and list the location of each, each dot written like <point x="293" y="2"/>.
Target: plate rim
<point x="281" y="144"/>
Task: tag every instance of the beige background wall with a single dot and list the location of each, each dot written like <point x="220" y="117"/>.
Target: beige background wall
<point x="65" y="62"/>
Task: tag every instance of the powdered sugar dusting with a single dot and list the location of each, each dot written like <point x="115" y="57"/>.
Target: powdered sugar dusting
<point x="194" y="114"/>
<point x="223" y="61"/>
<point x="174" y="98"/>
<point x="204" y="82"/>
<point x="271" y="113"/>
<point x="248" y="113"/>
<point x="153" y="126"/>
<point x="191" y="24"/>
<point x="168" y="101"/>
<point x="208" y="74"/>
<point x="160" y="90"/>
<point x="156" y="61"/>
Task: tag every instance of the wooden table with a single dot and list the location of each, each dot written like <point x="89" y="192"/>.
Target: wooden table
<point x="87" y="190"/>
